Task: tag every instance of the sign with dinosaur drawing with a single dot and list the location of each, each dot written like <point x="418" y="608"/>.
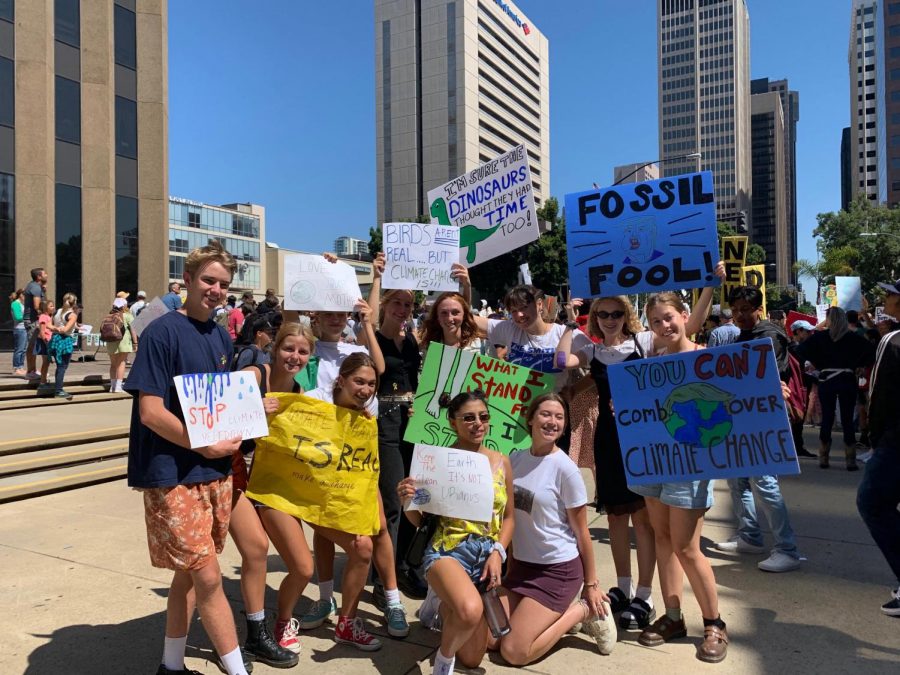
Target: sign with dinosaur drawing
<point x="492" y="205"/>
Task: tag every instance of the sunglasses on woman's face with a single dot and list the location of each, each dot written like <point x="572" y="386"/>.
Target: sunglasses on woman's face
<point x="618" y="314"/>
<point x="471" y="418"/>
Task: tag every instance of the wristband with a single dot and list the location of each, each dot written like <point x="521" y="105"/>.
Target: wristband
<point x="572" y="325"/>
<point x="561" y="360"/>
<point x="498" y="547"/>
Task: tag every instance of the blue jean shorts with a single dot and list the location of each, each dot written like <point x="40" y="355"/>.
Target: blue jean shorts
<point x="472" y="553"/>
<point x="696" y="494"/>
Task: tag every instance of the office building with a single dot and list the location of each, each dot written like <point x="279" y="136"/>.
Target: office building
<point x="83" y="148"/>
<point x="846" y="173"/>
<point x="769" y="227"/>
<point x="350" y="247"/>
<point x="864" y="102"/>
<point x="887" y="40"/>
<point x="457" y="83"/>
<point x="241" y="228"/>
<point x="704" y="96"/>
<point x="635" y="173"/>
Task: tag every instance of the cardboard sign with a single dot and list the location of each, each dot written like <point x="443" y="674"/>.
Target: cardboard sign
<point x="755" y="275"/>
<point x="704" y="414"/>
<point x="849" y="293"/>
<point x="509" y="389"/>
<point x="734" y="255"/>
<point x="638" y="237"/>
<point x="218" y="406"/>
<point x="451" y="482"/>
<point x="319" y="463"/>
<point x="419" y="257"/>
<point x="821" y="312"/>
<point x="313" y="284"/>
<point x="153" y="310"/>
<point x="492" y="205"/>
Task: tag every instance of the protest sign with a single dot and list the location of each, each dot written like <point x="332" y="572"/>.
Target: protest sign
<point x="755" y="275"/>
<point x="312" y="283"/>
<point x="648" y="236"/>
<point x="794" y="315"/>
<point x="831" y="297"/>
<point x="419" y="257"/>
<point x="509" y="389"/>
<point x="153" y="310"/>
<point x="849" y="293"/>
<point x="734" y="255"/>
<point x="880" y="315"/>
<point x="492" y="205"/>
<point x="319" y="463"/>
<point x="218" y="406"/>
<point x="525" y="273"/>
<point x="704" y="414"/>
<point x="451" y="482"/>
<point x="822" y="312"/>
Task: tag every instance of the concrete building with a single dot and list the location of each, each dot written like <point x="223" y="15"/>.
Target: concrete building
<point x="864" y="102"/>
<point x="887" y="40"/>
<point x="241" y="228"/>
<point x="769" y="227"/>
<point x="846" y="171"/>
<point x="275" y="256"/>
<point x="457" y="82"/>
<point x="83" y="147"/>
<point x="635" y="173"/>
<point x="704" y="96"/>
<point x="348" y="246"/>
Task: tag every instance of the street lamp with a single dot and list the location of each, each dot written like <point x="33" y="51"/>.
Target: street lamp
<point x="693" y="155"/>
<point x="879" y="234"/>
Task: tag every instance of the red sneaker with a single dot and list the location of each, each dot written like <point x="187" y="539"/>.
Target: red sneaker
<point x="350" y="631"/>
<point x="286" y="635"/>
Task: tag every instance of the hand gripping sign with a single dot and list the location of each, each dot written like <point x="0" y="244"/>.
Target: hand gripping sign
<point x="451" y="482"/>
<point x="219" y="406"/>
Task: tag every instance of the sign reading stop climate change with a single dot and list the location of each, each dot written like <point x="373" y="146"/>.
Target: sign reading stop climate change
<point x="638" y="237"/>
<point x="219" y="406"/>
<point x="419" y="257"/>
<point x="709" y="413"/>
<point x="492" y="205"/>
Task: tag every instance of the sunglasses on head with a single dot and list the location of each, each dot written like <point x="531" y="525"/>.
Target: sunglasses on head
<point x="471" y="418"/>
<point x="618" y="314"/>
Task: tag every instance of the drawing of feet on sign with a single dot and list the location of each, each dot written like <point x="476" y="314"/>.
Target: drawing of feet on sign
<point x="312" y="283"/>
<point x="218" y="406"/>
<point x="710" y="413"/>
<point x="639" y="237"/>
<point x="508" y="388"/>
<point x="451" y="482"/>
<point x="419" y="257"/>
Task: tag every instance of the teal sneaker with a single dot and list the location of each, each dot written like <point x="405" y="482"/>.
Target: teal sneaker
<point x="395" y="617"/>
<point x="319" y="613"/>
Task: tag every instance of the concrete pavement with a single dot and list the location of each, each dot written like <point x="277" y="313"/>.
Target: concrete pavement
<point x="81" y="597"/>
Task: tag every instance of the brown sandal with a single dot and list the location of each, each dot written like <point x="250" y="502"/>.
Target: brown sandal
<point x="714" y="647"/>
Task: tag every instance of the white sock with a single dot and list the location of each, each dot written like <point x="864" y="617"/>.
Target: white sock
<point x="442" y="664"/>
<point x="392" y="596"/>
<point x="173" y="652"/>
<point x="326" y="590"/>
<point x="234" y="662"/>
<point x="626" y="586"/>
<point x="645" y="593"/>
<point x="257" y="616"/>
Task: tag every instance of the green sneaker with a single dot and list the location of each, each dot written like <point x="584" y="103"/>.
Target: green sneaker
<point x="319" y="613"/>
<point x="395" y="617"/>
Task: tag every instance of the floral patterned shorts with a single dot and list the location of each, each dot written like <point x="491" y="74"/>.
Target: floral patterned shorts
<point x="187" y="524"/>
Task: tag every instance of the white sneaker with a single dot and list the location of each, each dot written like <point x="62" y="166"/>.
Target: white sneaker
<point x="737" y="545"/>
<point x="603" y="630"/>
<point x="779" y="562"/>
<point x="429" y="612"/>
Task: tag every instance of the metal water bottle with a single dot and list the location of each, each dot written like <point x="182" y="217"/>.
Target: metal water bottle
<point x="494" y="612"/>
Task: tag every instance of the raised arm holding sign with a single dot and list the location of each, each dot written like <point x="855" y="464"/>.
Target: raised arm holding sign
<point x="420" y="257"/>
<point x="313" y="283"/>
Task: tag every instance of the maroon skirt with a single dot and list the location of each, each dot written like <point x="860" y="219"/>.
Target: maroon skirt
<point x="555" y="586"/>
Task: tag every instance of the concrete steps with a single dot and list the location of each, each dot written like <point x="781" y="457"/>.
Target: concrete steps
<point x="34" y="484"/>
<point x="31" y="400"/>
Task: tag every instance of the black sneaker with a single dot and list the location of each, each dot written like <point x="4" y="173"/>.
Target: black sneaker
<point x="410" y="585"/>
<point x="261" y="646"/>
<point x="892" y="607"/>
<point x="618" y="600"/>
<point x="378" y="598"/>
<point x="637" y="616"/>
<point x="803" y="452"/>
<point x="162" y="670"/>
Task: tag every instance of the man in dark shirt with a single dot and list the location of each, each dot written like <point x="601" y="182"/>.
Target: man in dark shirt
<point x="878" y="497"/>
<point x="34" y="294"/>
<point x="746" y="306"/>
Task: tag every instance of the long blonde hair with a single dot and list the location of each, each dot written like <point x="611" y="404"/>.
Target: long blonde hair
<point x="390" y="295"/>
<point x="632" y="325"/>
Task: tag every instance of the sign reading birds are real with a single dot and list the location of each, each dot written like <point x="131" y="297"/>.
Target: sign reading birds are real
<point x="639" y="237"/>
<point x="419" y="257"/>
<point x="703" y="414"/>
<point x="492" y="205"/>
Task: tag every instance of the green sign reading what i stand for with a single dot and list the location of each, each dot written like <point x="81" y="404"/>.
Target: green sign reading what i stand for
<point x="508" y="388"/>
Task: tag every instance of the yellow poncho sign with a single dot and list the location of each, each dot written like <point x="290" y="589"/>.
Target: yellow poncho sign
<point x="319" y="463"/>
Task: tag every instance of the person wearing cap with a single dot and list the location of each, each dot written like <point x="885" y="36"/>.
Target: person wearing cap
<point x="119" y="350"/>
<point x="139" y="304"/>
<point x="726" y="332"/>
<point x="878" y="496"/>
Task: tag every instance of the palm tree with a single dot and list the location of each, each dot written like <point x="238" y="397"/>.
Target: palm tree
<point x="812" y="270"/>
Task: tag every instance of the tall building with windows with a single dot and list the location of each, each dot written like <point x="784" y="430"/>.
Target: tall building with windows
<point x="769" y="227"/>
<point x="241" y="228"/>
<point x="83" y="147"/>
<point x="635" y="173"/>
<point x="348" y="246"/>
<point x="887" y="40"/>
<point x="864" y="102"/>
<point x="846" y="173"/>
<point x="704" y="96"/>
<point x="457" y="82"/>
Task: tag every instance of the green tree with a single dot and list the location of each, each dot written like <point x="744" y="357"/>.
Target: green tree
<point x="548" y="257"/>
<point x="756" y="255"/>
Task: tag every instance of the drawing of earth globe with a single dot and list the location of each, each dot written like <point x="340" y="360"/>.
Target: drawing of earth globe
<point x="697" y="414"/>
<point x="303" y="292"/>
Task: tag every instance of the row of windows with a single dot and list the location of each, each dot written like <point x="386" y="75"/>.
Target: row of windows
<point x="678" y="133"/>
<point x="503" y="27"/>
<point x="717" y="128"/>
<point x="716" y="115"/>
<point x="679" y="108"/>
<point x="677" y="46"/>
<point x="680" y="70"/>
<point x="677" y="21"/>
<point x="717" y="102"/>
<point x="680" y="147"/>
<point x="214" y="220"/>
<point x="719" y="24"/>
<point x="717" y="89"/>
<point x="678" y="58"/>
<point x="67" y="21"/>
<point x="680" y="33"/>
<point x="717" y="63"/>
<point x="531" y="68"/>
<point x="246" y="276"/>
<point x="716" y="51"/>
<point x="869" y="53"/>
<point x="506" y="91"/>
<point x="126" y="37"/>
<point x="487" y="45"/>
<point x="709" y="141"/>
<point x="677" y="84"/>
<point x="678" y="96"/>
<point x="7" y="92"/>
<point x="513" y="113"/>
<point x="183" y="241"/>
<point x="678" y="121"/>
<point x="710" y="13"/>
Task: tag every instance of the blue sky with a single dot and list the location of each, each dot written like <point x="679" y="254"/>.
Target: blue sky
<point x="274" y="102"/>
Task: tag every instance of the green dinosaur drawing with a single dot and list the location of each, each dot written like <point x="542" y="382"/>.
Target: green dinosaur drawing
<point x="469" y="236"/>
<point x="439" y="211"/>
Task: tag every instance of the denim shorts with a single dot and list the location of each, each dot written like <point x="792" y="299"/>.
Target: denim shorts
<point x="472" y="553"/>
<point x="696" y="494"/>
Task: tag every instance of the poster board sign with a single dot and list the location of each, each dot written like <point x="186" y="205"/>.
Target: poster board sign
<point x="509" y="389"/>
<point x="638" y="237"/>
<point x="219" y="406"/>
<point x="734" y="255"/>
<point x="419" y="257"/>
<point x="849" y="293"/>
<point x="831" y="297"/>
<point x="794" y="315"/>
<point x="821" y="312"/>
<point x="319" y="463"/>
<point x="525" y="271"/>
<point x="153" y="310"/>
<point x="880" y="315"/>
<point x="492" y="205"/>
<point x="755" y="275"/>
<point x="451" y="482"/>
<point x="313" y="284"/>
<point x="704" y="414"/>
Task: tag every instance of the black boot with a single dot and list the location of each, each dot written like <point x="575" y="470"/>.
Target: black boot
<point x="264" y="648"/>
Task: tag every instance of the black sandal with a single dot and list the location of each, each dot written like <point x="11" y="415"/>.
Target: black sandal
<point x="637" y="616"/>
<point x="618" y="601"/>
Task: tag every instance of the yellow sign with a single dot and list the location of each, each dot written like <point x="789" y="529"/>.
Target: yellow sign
<point x="319" y="463"/>
<point x="755" y="275"/>
<point x="734" y="255"/>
